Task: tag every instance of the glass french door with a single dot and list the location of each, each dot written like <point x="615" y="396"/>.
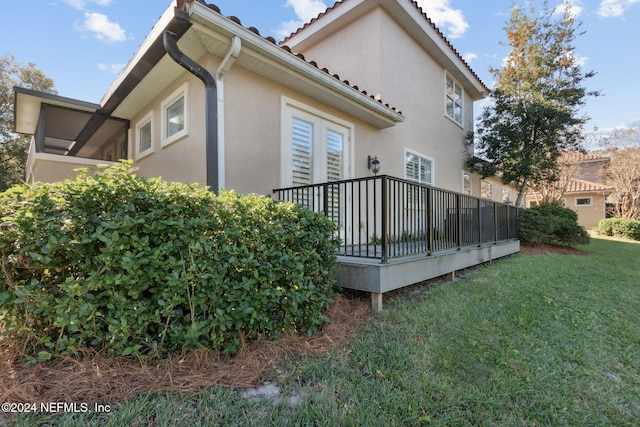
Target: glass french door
<point x="319" y="154"/>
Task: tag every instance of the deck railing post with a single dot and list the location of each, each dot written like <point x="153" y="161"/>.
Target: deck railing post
<point x="459" y="220"/>
<point x="495" y="223"/>
<point x="325" y="199"/>
<point x="479" y="203"/>
<point x="430" y="219"/>
<point x="385" y="220"/>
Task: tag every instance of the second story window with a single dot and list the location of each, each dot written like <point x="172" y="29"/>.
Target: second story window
<point x="453" y="100"/>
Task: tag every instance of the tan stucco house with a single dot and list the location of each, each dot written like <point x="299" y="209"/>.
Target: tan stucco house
<point x="585" y="189"/>
<point x="368" y="84"/>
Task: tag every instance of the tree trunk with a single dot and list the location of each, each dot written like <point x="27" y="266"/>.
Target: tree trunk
<point x="522" y="193"/>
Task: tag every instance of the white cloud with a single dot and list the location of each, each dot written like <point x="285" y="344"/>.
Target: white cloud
<point x="468" y="56"/>
<point x="82" y="4"/>
<point x="288" y="27"/>
<point x="614" y="8"/>
<point x="111" y="68"/>
<point x="575" y="8"/>
<point x="102" y="28"/>
<point x="305" y="11"/>
<point x="444" y="16"/>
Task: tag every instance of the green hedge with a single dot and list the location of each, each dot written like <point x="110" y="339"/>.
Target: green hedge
<point x="114" y="261"/>
<point x="629" y="228"/>
<point x="551" y="224"/>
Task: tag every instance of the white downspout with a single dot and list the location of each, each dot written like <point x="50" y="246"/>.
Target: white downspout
<point x="224" y="67"/>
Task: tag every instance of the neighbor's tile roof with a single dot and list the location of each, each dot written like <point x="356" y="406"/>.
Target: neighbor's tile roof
<point x="424" y="15"/>
<point x="300" y="56"/>
<point x="577" y="157"/>
<point x="581" y="186"/>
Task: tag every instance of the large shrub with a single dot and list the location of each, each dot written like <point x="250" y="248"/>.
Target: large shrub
<point x="132" y="265"/>
<point x="629" y="228"/>
<point x="553" y="224"/>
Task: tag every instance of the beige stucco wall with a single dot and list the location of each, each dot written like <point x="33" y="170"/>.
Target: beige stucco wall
<point x="183" y="160"/>
<point x="51" y="168"/>
<point x="588" y="216"/>
<point x="252" y="133"/>
<point x="392" y="65"/>
<point x="254" y="152"/>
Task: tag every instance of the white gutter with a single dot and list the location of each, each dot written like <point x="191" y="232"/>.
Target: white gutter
<point x="224" y="67"/>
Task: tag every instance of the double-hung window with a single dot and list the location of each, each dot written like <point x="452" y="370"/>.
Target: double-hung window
<point x="453" y="99"/>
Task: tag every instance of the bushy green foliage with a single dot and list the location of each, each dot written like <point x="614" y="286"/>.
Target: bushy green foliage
<point x="132" y="265"/>
<point x="551" y="224"/>
<point x="629" y="228"/>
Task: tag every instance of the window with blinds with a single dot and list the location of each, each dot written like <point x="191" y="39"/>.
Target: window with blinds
<point x="418" y="168"/>
<point x="302" y="152"/>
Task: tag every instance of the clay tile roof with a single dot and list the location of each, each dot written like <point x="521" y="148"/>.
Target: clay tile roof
<point x="424" y="15"/>
<point x="577" y="157"/>
<point x="580" y="186"/>
<point x="300" y="56"/>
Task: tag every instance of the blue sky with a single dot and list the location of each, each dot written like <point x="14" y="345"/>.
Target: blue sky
<point x="82" y="44"/>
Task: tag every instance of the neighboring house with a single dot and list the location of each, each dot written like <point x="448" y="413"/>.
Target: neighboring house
<point x="206" y="99"/>
<point x="584" y="189"/>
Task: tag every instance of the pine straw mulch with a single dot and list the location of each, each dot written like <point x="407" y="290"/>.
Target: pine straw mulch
<point x="109" y="379"/>
<point x="539" y="248"/>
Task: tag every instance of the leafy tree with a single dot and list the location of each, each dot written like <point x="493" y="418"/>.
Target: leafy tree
<point x="536" y="99"/>
<point x="623" y="173"/>
<point x="553" y="191"/>
<point x="13" y="147"/>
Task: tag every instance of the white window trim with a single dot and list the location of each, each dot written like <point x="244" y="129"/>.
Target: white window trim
<point x="455" y="83"/>
<point x="464" y="173"/>
<point x="415" y="153"/>
<point x="575" y="202"/>
<point x="182" y="91"/>
<point x="148" y="118"/>
<point x="289" y="109"/>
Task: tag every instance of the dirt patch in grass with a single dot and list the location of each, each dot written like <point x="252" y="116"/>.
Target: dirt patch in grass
<point x="539" y="248"/>
<point x="100" y="378"/>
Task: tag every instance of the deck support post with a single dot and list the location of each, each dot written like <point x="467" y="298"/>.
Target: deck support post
<point x="376" y="302"/>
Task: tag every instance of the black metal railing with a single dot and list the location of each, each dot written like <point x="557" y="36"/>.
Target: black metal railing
<point x="384" y="217"/>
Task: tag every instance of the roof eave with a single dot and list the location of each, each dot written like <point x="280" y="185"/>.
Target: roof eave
<point x="28" y="103"/>
<point x="294" y="72"/>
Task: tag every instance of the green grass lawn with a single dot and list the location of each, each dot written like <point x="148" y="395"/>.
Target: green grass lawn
<point x="533" y="340"/>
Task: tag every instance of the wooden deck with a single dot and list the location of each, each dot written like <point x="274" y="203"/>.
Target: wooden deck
<point x="371" y="275"/>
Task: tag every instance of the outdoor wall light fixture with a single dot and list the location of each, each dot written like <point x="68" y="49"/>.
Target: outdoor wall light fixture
<point x="373" y="164"/>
